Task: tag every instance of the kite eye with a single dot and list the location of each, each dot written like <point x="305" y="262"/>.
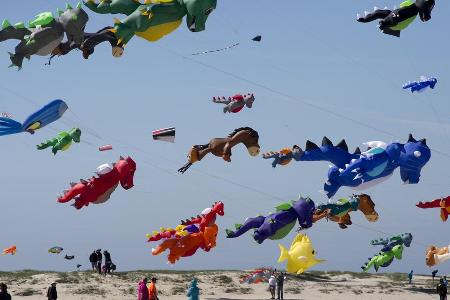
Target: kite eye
<point x="209" y="11"/>
<point x="417" y="154"/>
<point x="313" y="252"/>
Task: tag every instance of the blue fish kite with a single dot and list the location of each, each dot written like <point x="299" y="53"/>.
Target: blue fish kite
<point x="46" y="115"/>
<point x="423" y="83"/>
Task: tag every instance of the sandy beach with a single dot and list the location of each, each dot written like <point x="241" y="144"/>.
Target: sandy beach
<point x="217" y="285"/>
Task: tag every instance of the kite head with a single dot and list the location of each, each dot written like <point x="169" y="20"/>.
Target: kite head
<point x="75" y="133"/>
<point x="126" y="168"/>
<point x="249" y="99"/>
<point x="367" y="207"/>
<point x="414" y="156"/>
<point x="304" y="207"/>
<point x="429" y="256"/>
<point x="198" y="12"/>
<point x="74" y="22"/>
<point x="218" y="208"/>
<point x="249" y="137"/>
<point x="425" y="8"/>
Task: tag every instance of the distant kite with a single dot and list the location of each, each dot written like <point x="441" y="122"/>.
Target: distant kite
<point x="69" y="257"/>
<point x="105" y="148"/>
<point x="55" y="250"/>
<point x="11" y="250"/>
<point x="421" y="85"/>
<point x="255" y="39"/>
<point x="165" y="134"/>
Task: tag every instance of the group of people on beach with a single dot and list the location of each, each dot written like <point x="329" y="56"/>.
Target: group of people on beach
<point x="96" y="259"/>
<point x="276" y="282"/>
<point x="147" y="291"/>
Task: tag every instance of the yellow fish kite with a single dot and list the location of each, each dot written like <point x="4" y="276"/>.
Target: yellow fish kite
<point x="301" y="256"/>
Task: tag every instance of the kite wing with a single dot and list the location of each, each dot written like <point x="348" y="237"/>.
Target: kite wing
<point x="9" y="126"/>
<point x="165" y="134"/>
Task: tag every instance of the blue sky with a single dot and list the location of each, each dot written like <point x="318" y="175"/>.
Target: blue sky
<point x="311" y="53"/>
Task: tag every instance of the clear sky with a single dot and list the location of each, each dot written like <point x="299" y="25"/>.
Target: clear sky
<point x="311" y="53"/>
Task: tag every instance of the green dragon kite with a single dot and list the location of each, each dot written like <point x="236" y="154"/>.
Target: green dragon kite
<point x="151" y="20"/>
<point x="62" y="141"/>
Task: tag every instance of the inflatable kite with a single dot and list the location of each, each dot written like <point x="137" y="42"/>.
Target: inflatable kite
<point x="11" y="250"/>
<point x="257" y="276"/>
<point x="392" y="248"/>
<point x="279" y="224"/>
<point x="55" y="250"/>
<point x="105" y="148"/>
<point x="422" y="84"/>
<point x="165" y="134"/>
<point x="69" y="257"/>
<point x="221" y="147"/>
<point x="62" y="141"/>
<point x="339" y="212"/>
<point x="300" y="257"/>
<point x="435" y="255"/>
<point x="443" y="204"/>
<point x="44" y="34"/>
<point x="187" y="244"/>
<point x="151" y="21"/>
<point x="236" y="103"/>
<point x="46" y="115"/>
<point x="361" y="170"/>
<point x="193" y="291"/>
<point x="392" y="22"/>
<point x="98" y="190"/>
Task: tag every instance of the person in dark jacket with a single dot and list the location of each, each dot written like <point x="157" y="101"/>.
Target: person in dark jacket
<point x="4" y="292"/>
<point x="99" y="261"/>
<point x="108" y="261"/>
<point x="441" y="289"/>
<point x="280" y="282"/>
<point x="93" y="260"/>
<point x="52" y="294"/>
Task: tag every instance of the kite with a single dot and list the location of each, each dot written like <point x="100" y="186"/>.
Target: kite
<point x="105" y="148"/>
<point x="98" y="190"/>
<point x="193" y="291"/>
<point x="235" y="103"/>
<point x="45" y="33"/>
<point x="11" y="250"/>
<point x="165" y="134"/>
<point x="300" y="257"/>
<point x="422" y="84"/>
<point x="392" y="248"/>
<point x="443" y="204"/>
<point x="392" y="22"/>
<point x="204" y="235"/>
<point x="151" y="21"/>
<point x="257" y="276"/>
<point x="46" y="115"/>
<point x="62" y="141"/>
<point x="361" y="170"/>
<point x="55" y="250"/>
<point x="221" y="147"/>
<point x="279" y="224"/>
<point x="255" y="39"/>
<point x="69" y="257"/>
<point x="340" y="211"/>
<point x="435" y="255"/>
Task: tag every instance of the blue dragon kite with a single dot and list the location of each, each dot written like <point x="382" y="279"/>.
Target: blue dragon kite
<point x="360" y="170"/>
<point x="423" y="83"/>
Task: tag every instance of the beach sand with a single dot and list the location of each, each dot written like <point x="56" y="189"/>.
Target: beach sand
<point x="217" y="285"/>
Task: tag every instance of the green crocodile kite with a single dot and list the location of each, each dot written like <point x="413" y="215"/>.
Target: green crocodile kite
<point x="62" y="141"/>
<point x="45" y="33"/>
<point x="152" y="20"/>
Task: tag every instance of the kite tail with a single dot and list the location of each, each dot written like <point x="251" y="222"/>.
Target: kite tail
<point x="284" y="255"/>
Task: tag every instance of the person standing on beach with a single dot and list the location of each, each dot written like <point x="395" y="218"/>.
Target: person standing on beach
<point x="108" y="261"/>
<point x="441" y="289"/>
<point x="410" y="276"/>
<point x="142" y="289"/>
<point x="272" y="285"/>
<point x="99" y="261"/>
<point x="193" y="292"/>
<point x="4" y="295"/>
<point x="52" y="294"/>
<point x="152" y="291"/>
<point x="280" y="283"/>
<point x="93" y="260"/>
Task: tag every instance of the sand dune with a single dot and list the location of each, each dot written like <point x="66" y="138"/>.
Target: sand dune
<point x="215" y="285"/>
